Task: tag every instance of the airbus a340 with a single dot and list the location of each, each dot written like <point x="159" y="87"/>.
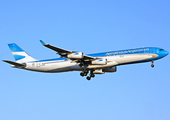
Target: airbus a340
<point x="98" y="63"/>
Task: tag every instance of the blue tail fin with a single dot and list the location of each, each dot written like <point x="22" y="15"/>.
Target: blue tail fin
<point x="19" y="54"/>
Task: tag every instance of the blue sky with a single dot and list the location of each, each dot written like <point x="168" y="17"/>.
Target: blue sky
<point x="134" y="92"/>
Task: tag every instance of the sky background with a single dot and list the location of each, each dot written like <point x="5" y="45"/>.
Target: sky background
<point x="134" y="92"/>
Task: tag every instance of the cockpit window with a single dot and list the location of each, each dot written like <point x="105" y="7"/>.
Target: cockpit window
<point x="161" y="50"/>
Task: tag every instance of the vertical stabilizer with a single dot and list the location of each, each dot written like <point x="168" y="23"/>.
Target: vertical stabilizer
<point x="20" y="55"/>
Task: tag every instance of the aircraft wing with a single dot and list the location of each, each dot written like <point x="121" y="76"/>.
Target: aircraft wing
<point x="58" y="50"/>
<point x="64" y="52"/>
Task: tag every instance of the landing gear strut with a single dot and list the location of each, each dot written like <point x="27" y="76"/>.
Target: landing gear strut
<point x="152" y="65"/>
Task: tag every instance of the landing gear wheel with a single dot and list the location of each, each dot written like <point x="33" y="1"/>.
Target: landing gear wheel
<point x="82" y="74"/>
<point x="85" y="74"/>
<point x="93" y="75"/>
<point x="88" y="78"/>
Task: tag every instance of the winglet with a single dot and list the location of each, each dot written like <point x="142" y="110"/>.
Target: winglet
<point x="43" y="42"/>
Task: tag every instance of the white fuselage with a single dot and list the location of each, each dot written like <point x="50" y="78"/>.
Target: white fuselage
<point x="55" y="66"/>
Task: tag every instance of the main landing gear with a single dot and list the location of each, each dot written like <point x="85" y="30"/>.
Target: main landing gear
<point x="152" y="65"/>
<point x="91" y="75"/>
<point x="85" y="74"/>
<point x="86" y="71"/>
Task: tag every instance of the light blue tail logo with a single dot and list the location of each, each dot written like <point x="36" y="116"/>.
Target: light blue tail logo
<point x="18" y="57"/>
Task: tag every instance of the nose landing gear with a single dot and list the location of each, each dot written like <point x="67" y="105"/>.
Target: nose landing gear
<point x="152" y="65"/>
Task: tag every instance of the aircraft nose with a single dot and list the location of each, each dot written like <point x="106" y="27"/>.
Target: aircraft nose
<point x="163" y="53"/>
<point x="166" y="53"/>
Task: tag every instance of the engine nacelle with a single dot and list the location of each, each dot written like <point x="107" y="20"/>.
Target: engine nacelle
<point x="101" y="61"/>
<point x="99" y="71"/>
<point x="111" y="69"/>
<point x="77" y="55"/>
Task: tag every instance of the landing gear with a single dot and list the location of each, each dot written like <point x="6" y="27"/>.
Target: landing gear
<point x="88" y="78"/>
<point x="84" y="73"/>
<point x="152" y="65"/>
<point x="91" y="75"/>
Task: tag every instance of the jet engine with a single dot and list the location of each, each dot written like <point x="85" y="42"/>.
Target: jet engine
<point x="77" y="55"/>
<point x="101" y="61"/>
<point x="111" y="69"/>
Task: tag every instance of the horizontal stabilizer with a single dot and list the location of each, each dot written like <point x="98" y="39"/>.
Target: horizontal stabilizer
<point x="15" y="63"/>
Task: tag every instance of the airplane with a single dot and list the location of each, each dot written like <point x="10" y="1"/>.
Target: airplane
<point x="98" y="63"/>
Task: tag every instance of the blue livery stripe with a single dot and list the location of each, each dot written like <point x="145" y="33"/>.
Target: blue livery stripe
<point x="15" y="48"/>
<point x="18" y="57"/>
